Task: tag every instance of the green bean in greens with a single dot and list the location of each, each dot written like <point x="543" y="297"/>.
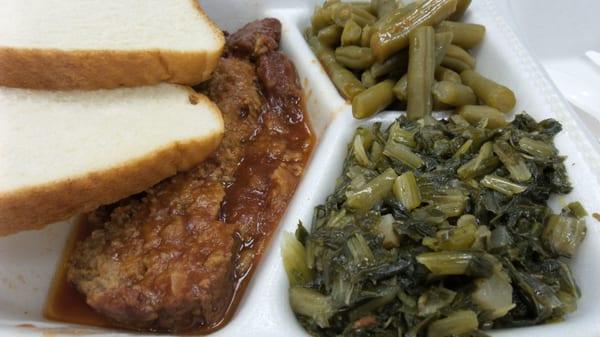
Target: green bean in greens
<point x="379" y="261"/>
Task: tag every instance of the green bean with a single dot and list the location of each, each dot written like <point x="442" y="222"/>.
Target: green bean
<point x="367" y="79"/>
<point x="442" y="41"/>
<point x="365" y="36"/>
<point x="461" y="8"/>
<point x="373" y="100"/>
<point x="437" y="105"/>
<point x="466" y="35"/>
<point x="421" y="66"/>
<point x="394" y="15"/>
<point x="454" y="94"/>
<point x="458" y="53"/>
<point x="351" y="33"/>
<point x="490" y="92"/>
<point x="455" y="64"/>
<point x="395" y="66"/>
<point x="323" y="16"/>
<point x="445" y="74"/>
<point x="344" y="80"/>
<point x="400" y="88"/>
<point x="330" y="36"/>
<point x="385" y="7"/>
<point x="349" y="12"/>
<point x="394" y="37"/>
<point x="363" y="5"/>
<point x="374" y="4"/>
<point x="354" y="57"/>
<point x="475" y="114"/>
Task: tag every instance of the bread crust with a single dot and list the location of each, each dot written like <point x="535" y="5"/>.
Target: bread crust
<point x="54" y="69"/>
<point x="37" y="206"/>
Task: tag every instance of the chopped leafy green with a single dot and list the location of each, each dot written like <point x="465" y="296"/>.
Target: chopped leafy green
<point x="439" y="228"/>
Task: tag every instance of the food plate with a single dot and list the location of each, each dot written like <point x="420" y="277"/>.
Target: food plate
<point x="28" y="260"/>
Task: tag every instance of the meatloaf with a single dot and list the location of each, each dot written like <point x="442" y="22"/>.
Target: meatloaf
<point x="170" y="259"/>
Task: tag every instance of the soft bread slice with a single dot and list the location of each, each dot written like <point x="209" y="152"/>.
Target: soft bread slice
<point x="90" y="44"/>
<point x="62" y="153"/>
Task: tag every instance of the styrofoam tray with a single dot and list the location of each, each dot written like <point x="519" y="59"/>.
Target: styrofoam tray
<point x="28" y="260"/>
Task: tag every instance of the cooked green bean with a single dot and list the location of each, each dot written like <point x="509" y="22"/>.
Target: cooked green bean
<point x="354" y="57"/>
<point x="348" y="12"/>
<point x="453" y="94"/>
<point x="351" y="34"/>
<point x="421" y="66"/>
<point x="461" y="8"/>
<point x="455" y="64"/>
<point x="490" y="92"/>
<point x="385" y="7"/>
<point x="365" y="36"/>
<point x="395" y="15"/>
<point x="466" y="35"/>
<point x="442" y="41"/>
<point x="373" y="100"/>
<point x="401" y="87"/>
<point x="330" y="36"/>
<point x="437" y="105"/>
<point x="458" y="53"/>
<point x="344" y="80"/>
<point x="394" y="66"/>
<point x="367" y="79"/>
<point x="475" y="114"/>
<point x="392" y="38"/>
<point x="323" y="16"/>
<point x="363" y="5"/>
<point x="445" y="74"/>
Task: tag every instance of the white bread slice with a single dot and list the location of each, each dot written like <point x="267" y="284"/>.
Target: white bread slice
<point x="91" y="44"/>
<point x="62" y="153"/>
